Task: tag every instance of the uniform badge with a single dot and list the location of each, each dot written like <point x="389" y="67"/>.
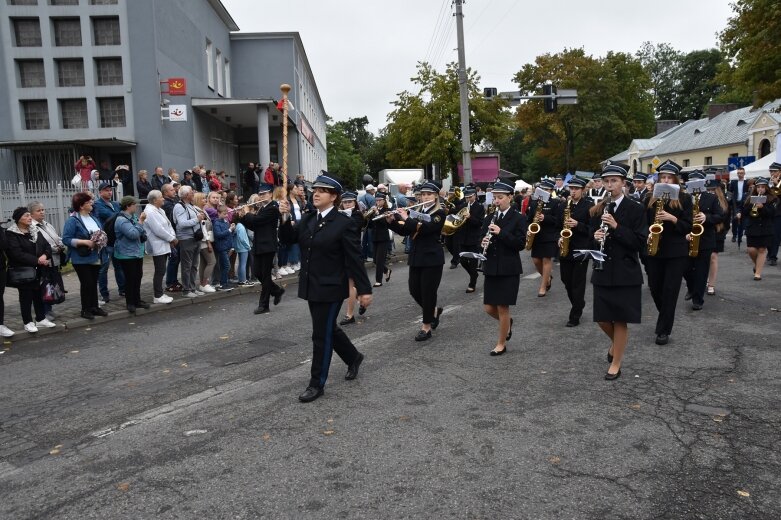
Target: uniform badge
<point x="437" y="218"/>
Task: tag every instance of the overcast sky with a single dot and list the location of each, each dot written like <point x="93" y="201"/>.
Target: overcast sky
<point x="363" y="52"/>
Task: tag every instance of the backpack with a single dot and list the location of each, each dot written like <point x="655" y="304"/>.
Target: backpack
<point x="108" y="229"/>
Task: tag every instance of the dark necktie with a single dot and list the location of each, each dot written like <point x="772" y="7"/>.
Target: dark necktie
<point x="499" y="220"/>
<point x="319" y="217"/>
<point x="611" y="208"/>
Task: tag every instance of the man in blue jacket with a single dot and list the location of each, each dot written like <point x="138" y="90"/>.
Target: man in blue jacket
<point x="104" y="209"/>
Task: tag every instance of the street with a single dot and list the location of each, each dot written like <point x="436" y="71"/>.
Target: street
<point x="192" y="412"/>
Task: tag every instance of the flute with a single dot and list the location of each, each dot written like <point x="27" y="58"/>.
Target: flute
<point x="395" y="211"/>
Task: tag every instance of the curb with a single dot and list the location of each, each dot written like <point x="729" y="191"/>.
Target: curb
<point x="80" y="323"/>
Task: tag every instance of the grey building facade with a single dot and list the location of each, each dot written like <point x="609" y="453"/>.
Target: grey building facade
<point x="91" y="77"/>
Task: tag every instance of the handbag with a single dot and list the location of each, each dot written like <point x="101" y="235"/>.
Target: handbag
<point x="52" y="287"/>
<point x="21" y="275"/>
<point x="198" y="233"/>
<point x="76" y="180"/>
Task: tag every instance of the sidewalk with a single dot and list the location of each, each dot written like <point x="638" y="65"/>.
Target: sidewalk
<point x="68" y="313"/>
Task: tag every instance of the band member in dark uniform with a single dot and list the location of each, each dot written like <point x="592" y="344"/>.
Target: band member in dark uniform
<point x="598" y="191"/>
<point x="330" y="256"/>
<point x="545" y="245"/>
<point x="715" y="187"/>
<point x="264" y="223"/>
<point x="349" y="207"/>
<point x="559" y="188"/>
<point x="471" y="235"/>
<point x="666" y="268"/>
<point x="454" y="242"/>
<point x="426" y="256"/>
<point x="618" y="280"/>
<point x="380" y="239"/>
<point x="758" y="219"/>
<point x="709" y="216"/>
<point x="573" y="270"/>
<point x="639" y="185"/>
<point x="775" y="188"/>
<point x="504" y="236"/>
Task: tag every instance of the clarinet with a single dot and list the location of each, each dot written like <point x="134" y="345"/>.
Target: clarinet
<point x="488" y="235"/>
<point x="599" y="265"/>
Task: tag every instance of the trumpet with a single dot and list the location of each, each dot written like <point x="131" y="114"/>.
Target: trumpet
<point x="599" y="265"/>
<point x="697" y="229"/>
<point x="397" y="210"/>
<point x="566" y="233"/>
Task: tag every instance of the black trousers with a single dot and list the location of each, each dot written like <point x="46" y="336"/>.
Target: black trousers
<point x="664" y="279"/>
<point x="470" y="264"/>
<point x="160" y="263"/>
<point x="264" y="263"/>
<point x="696" y="276"/>
<point x="380" y="249"/>
<point x="88" y="285"/>
<point x="134" y="271"/>
<point x="772" y="253"/>
<point x="573" y="276"/>
<point x="423" y="286"/>
<point x="2" y="292"/>
<point x="30" y="295"/>
<point x="327" y="338"/>
<point x="738" y="226"/>
<point x="453" y="244"/>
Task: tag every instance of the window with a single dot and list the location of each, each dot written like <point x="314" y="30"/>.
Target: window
<point x="686" y="162"/>
<point x="64" y="2"/>
<point x="106" y="30"/>
<point x="74" y="113"/>
<point x="734" y="155"/>
<point x="209" y="65"/>
<point x="67" y="32"/>
<point x="36" y="114"/>
<point x="70" y="73"/>
<point x="22" y="2"/>
<point x="103" y="2"/>
<point x="218" y="68"/>
<point x="31" y="73"/>
<point x="27" y="32"/>
<point x="227" y="78"/>
<point x="112" y="112"/>
<point x="708" y="161"/>
<point x="109" y="71"/>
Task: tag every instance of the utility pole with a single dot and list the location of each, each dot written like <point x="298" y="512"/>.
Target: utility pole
<point x="463" y="91"/>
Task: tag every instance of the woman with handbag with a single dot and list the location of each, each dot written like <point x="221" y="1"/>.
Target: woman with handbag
<point x="38" y="212"/>
<point x="84" y="252"/>
<point x="28" y="251"/>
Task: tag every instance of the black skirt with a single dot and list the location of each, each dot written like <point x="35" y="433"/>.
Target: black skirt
<point x="622" y="303"/>
<point x="719" y="245"/>
<point x="760" y="241"/>
<point x="501" y="290"/>
<point x="545" y="249"/>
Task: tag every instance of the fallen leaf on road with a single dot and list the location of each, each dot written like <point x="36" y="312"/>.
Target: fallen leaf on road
<point x="124" y="486"/>
<point x="730" y="380"/>
<point x="194" y="432"/>
<point x="166" y="371"/>
<point x="132" y="323"/>
<point x="184" y="365"/>
<point x="635" y="406"/>
<point x="55" y="451"/>
<point x="743" y="493"/>
<point x="404" y="418"/>
<point x="224" y="337"/>
<point x="773" y="309"/>
<point x="266" y="437"/>
<point x="88" y="328"/>
<point x="718" y="419"/>
<point x="543" y="372"/>
<point x="554" y="460"/>
<point x="58" y="447"/>
<point x="329" y="421"/>
<point x="74" y="351"/>
<point x="328" y="432"/>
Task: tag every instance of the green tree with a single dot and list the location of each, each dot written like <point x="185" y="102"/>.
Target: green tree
<point x="343" y="159"/>
<point x="698" y="86"/>
<point x="663" y="65"/>
<point x="425" y="126"/>
<point x="751" y="43"/>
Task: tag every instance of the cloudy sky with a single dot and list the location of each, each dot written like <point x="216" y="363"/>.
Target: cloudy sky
<point x="363" y="52"/>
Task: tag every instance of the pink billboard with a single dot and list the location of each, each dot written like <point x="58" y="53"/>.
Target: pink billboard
<point x="484" y="169"/>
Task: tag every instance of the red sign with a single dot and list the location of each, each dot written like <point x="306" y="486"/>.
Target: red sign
<point x="177" y="86"/>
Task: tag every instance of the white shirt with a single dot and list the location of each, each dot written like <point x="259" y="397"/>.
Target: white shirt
<point x="617" y="202"/>
<point x="325" y="212"/>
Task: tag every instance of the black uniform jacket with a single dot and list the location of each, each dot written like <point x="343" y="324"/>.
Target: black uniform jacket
<point x="380" y="227"/>
<point x="763" y="224"/>
<point x="358" y="220"/>
<point x="673" y="243"/>
<point x="709" y="205"/>
<point x="330" y="256"/>
<point x="426" y="250"/>
<point x="473" y="225"/>
<point x="503" y="255"/>
<point x="622" y="246"/>
<point x="551" y="224"/>
<point x="581" y="237"/>
<point x="264" y="225"/>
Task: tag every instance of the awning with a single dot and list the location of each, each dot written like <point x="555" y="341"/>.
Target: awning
<point x="238" y="113"/>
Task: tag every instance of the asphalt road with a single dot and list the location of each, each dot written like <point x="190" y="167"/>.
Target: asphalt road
<point x="193" y="413"/>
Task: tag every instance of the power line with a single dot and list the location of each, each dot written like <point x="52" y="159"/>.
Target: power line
<point x="443" y="48"/>
<point x="496" y="26"/>
<point x="437" y="27"/>
<point x="474" y="22"/>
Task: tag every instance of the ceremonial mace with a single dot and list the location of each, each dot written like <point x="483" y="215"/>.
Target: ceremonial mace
<point x="285" y="88"/>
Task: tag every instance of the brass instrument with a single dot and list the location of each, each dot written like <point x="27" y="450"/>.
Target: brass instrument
<point x="370" y="213"/>
<point x="450" y="202"/>
<point x="454" y="221"/>
<point x="655" y="230"/>
<point x="754" y="211"/>
<point x="775" y="189"/>
<point x="697" y="229"/>
<point x="599" y="265"/>
<point x="395" y="211"/>
<point x="566" y="233"/>
<point x="534" y="227"/>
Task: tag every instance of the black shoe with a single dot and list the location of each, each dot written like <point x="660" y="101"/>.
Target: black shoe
<point x="423" y="335"/>
<point x="87" y="315"/>
<point x="510" y="332"/>
<point x="98" y="312"/>
<point x="613" y="377"/>
<point x="310" y="394"/>
<point x="687" y="296"/>
<point x="131" y="309"/>
<point x="388" y="274"/>
<point x="662" y="339"/>
<point x="773" y="261"/>
<point x="121" y="294"/>
<point x="733" y="239"/>
<point x="435" y="323"/>
<point x="278" y="296"/>
<point x="142" y="304"/>
<point x="573" y="323"/>
<point x="261" y="310"/>
<point x="347" y="321"/>
<point x="696" y="306"/>
<point x="498" y="352"/>
<point x="609" y="357"/>
<point x="550" y="282"/>
<point x="470" y="290"/>
<point x="352" y="370"/>
<point x="361" y="310"/>
<point x="454" y="266"/>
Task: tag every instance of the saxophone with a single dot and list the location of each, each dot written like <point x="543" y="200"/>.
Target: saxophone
<point x="697" y="229"/>
<point x="534" y="227"/>
<point x="655" y="229"/>
<point x="566" y="233"/>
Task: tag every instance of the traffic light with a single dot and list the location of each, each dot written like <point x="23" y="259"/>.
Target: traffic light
<point x="550" y="103"/>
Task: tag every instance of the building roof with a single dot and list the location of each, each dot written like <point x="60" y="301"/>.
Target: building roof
<point x="224" y="15"/>
<point x="728" y="128"/>
<point x="619" y="157"/>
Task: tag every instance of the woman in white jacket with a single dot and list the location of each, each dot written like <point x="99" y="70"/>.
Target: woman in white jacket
<point x="160" y="237"/>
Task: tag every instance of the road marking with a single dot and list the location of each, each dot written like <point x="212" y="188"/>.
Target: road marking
<point x="370" y="339"/>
